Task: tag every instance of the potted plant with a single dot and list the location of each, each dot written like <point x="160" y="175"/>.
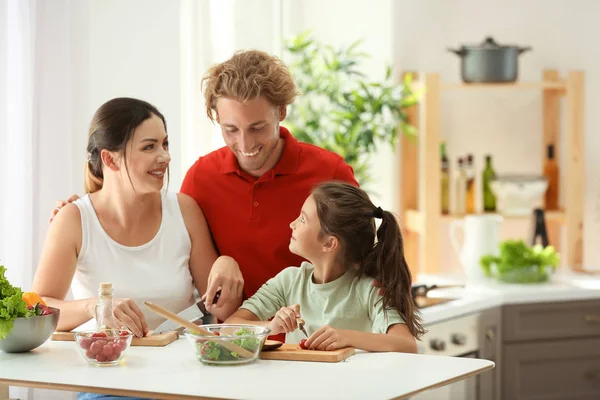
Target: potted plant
<point x="340" y="109"/>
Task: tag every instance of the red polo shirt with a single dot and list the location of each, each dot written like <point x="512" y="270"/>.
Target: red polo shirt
<point x="249" y="217"/>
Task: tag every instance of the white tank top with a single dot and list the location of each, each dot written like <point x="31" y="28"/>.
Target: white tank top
<point x="157" y="271"/>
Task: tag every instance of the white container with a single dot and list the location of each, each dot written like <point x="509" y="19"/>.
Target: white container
<point x="519" y="195"/>
<point x="480" y="237"/>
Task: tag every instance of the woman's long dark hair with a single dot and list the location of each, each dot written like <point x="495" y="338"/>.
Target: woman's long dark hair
<point x="112" y="127"/>
<point x="346" y="212"/>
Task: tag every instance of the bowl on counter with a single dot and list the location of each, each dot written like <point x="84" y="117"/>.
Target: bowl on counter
<point x="213" y="350"/>
<point x="519" y="195"/>
<point x="526" y="274"/>
<point x="30" y="333"/>
<point x="103" y="347"/>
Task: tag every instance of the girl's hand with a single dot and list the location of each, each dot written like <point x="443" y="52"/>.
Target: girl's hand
<point x="328" y="338"/>
<point x="284" y="320"/>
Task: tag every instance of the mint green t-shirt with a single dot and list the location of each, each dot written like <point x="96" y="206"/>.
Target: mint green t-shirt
<point x="349" y="302"/>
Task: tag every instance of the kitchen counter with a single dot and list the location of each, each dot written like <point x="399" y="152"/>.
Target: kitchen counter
<point x="479" y="296"/>
<point x="173" y="372"/>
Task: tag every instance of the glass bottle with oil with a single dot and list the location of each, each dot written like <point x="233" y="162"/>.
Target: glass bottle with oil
<point x="488" y="175"/>
<point x="105" y="318"/>
<point x="470" y="195"/>
<point x="551" y="174"/>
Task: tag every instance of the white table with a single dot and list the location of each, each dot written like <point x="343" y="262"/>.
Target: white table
<point x="173" y="372"/>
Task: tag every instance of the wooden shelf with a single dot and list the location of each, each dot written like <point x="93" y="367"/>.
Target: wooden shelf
<point x="414" y="219"/>
<point x="420" y="164"/>
<point x="543" y="85"/>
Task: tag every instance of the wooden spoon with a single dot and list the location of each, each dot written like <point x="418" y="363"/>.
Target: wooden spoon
<point x="196" y="329"/>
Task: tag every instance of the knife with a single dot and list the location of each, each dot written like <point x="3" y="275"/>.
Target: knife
<point x="301" y="326"/>
<point x="194" y="313"/>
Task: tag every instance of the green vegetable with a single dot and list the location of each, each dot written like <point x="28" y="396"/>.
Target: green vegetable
<point x="37" y="310"/>
<point x="12" y="305"/>
<point x="250" y="344"/>
<point x="519" y="262"/>
<point x="213" y="351"/>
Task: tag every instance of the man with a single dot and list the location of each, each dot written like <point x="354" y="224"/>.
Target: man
<point x="252" y="189"/>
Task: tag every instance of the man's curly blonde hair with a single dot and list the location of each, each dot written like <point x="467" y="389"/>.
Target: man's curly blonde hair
<point x="246" y="76"/>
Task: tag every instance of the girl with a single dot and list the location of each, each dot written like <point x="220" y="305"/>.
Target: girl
<point x="151" y="244"/>
<point x="333" y="292"/>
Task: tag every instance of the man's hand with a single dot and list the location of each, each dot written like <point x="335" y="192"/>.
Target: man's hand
<point x="285" y="320"/>
<point x="60" y="204"/>
<point x="328" y="338"/>
<point x="225" y="274"/>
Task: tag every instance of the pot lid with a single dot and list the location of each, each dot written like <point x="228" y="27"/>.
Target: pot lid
<point x="488" y="44"/>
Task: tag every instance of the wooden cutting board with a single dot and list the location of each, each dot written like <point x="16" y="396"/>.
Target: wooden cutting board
<point x="162" y="339"/>
<point x="293" y="352"/>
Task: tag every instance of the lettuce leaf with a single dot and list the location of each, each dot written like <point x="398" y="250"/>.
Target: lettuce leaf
<point x="12" y="305"/>
<point x="516" y="255"/>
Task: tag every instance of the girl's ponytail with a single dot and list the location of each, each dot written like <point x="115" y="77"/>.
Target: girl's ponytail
<point x="387" y="264"/>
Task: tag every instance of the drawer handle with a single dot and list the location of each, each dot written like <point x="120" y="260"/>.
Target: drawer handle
<point x="594" y="376"/>
<point x="590" y="319"/>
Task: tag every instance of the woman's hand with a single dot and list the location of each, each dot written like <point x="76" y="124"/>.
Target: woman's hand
<point x="128" y="315"/>
<point x="328" y="338"/>
<point x="225" y="275"/>
<point x="285" y="320"/>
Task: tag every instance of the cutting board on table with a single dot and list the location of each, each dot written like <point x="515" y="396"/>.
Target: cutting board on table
<point x="162" y="339"/>
<point x="293" y="352"/>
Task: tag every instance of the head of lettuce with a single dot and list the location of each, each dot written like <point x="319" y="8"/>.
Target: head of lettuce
<point x="12" y="305"/>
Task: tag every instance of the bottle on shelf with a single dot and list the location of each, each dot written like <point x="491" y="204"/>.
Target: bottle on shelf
<point x="551" y="174"/>
<point x="461" y="188"/>
<point x="105" y="318"/>
<point x="445" y="181"/>
<point x="488" y="175"/>
<point x="470" y="191"/>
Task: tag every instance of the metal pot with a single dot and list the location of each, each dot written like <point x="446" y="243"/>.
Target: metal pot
<point x="489" y="62"/>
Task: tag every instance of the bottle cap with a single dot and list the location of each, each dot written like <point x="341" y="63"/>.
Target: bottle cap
<point x="105" y="289"/>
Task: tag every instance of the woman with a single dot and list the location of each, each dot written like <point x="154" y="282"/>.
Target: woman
<point x="151" y="244"/>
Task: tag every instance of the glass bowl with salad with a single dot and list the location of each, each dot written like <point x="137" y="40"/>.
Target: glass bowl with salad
<point x="517" y="262"/>
<point x="213" y="350"/>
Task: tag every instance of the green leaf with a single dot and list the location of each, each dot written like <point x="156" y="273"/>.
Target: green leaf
<point x="388" y="72"/>
<point x="12" y="305"/>
<point x="518" y="262"/>
<point x="354" y="45"/>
